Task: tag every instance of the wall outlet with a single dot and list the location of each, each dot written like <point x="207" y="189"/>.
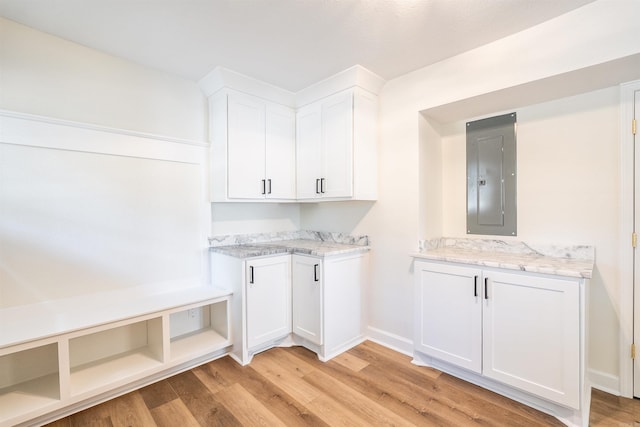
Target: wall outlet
<point x="193" y="313"/>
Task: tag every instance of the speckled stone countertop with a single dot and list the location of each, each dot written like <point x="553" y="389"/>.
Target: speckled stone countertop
<point x="314" y="243"/>
<point x="571" y="261"/>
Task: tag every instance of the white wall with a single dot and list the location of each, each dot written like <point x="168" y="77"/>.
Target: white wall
<point x="84" y="208"/>
<point x="249" y="218"/>
<point x="45" y="75"/>
<point x="85" y="211"/>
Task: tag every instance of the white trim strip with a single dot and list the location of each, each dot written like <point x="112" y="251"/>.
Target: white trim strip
<point x="90" y="126"/>
<point x="625" y="265"/>
<point x="41" y="132"/>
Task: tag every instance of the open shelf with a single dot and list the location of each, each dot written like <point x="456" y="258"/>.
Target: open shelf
<point x="199" y="330"/>
<point x="74" y="352"/>
<point x="117" y="355"/>
<point x="29" y="381"/>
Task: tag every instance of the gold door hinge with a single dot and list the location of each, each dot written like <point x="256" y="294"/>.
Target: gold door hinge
<point x="633" y="351"/>
<point x="634" y="239"/>
<point x="633" y="126"/>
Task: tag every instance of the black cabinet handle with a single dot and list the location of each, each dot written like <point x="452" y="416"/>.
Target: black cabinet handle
<point x="475" y="286"/>
<point x="315" y="272"/>
<point x="317" y="186"/>
<point x="251" y="274"/>
<point x="269" y="185"/>
<point x="486" y="294"/>
<point x="322" y="185"/>
<point x="264" y="186"/>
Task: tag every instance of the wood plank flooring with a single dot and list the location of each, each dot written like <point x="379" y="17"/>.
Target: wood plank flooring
<point x="366" y="386"/>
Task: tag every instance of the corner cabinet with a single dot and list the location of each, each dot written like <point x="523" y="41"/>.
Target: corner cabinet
<point x="252" y="148"/>
<point x="284" y="300"/>
<point x="328" y="313"/>
<point x="336" y="145"/>
<point x="524" y="331"/>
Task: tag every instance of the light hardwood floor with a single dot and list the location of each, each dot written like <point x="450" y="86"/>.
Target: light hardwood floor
<point x="366" y="386"/>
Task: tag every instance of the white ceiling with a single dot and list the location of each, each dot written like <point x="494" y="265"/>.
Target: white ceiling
<point x="289" y="43"/>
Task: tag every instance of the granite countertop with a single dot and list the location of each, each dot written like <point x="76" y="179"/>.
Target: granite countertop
<point x="305" y="242"/>
<point x="570" y="261"/>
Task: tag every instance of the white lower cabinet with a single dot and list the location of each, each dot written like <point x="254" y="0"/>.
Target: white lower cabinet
<point x="284" y="300"/>
<point x="268" y="299"/>
<point x="328" y="315"/>
<point x="449" y="314"/>
<point x="523" y="330"/>
<point x="307" y="298"/>
<point x="261" y="302"/>
<point x="532" y="335"/>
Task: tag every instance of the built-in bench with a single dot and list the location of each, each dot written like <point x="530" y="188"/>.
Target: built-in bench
<point x="59" y="356"/>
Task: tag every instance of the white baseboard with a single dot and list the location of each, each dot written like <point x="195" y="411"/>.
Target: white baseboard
<point x="395" y="342"/>
<point x="604" y="382"/>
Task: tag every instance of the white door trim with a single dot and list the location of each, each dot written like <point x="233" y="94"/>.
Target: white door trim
<point x="626" y="229"/>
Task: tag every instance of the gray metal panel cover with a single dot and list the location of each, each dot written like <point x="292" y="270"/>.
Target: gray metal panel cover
<point x="491" y="176"/>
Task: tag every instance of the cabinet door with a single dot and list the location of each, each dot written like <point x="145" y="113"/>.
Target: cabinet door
<point x="308" y="141"/>
<point x="268" y="291"/>
<point x="246" y="147"/>
<point x="449" y="313"/>
<point x="280" y="152"/>
<point x="344" y="311"/>
<point x="307" y="298"/>
<point x="337" y="146"/>
<point x="532" y="335"/>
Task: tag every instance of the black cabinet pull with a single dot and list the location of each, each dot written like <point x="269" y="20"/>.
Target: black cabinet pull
<point x="315" y="272"/>
<point x="322" y="185"/>
<point x="317" y="186"/>
<point x="251" y="274"/>
<point x="486" y="294"/>
<point x="264" y="186"/>
<point x="475" y="286"/>
<point x="269" y="185"/>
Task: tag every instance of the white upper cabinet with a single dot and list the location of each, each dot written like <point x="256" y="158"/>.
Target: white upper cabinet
<point x="263" y="149"/>
<point x="252" y="148"/>
<point x="336" y="147"/>
<point x="308" y="149"/>
<point x="280" y="153"/>
<point x="245" y="147"/>
<point x="336" y="157"/>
